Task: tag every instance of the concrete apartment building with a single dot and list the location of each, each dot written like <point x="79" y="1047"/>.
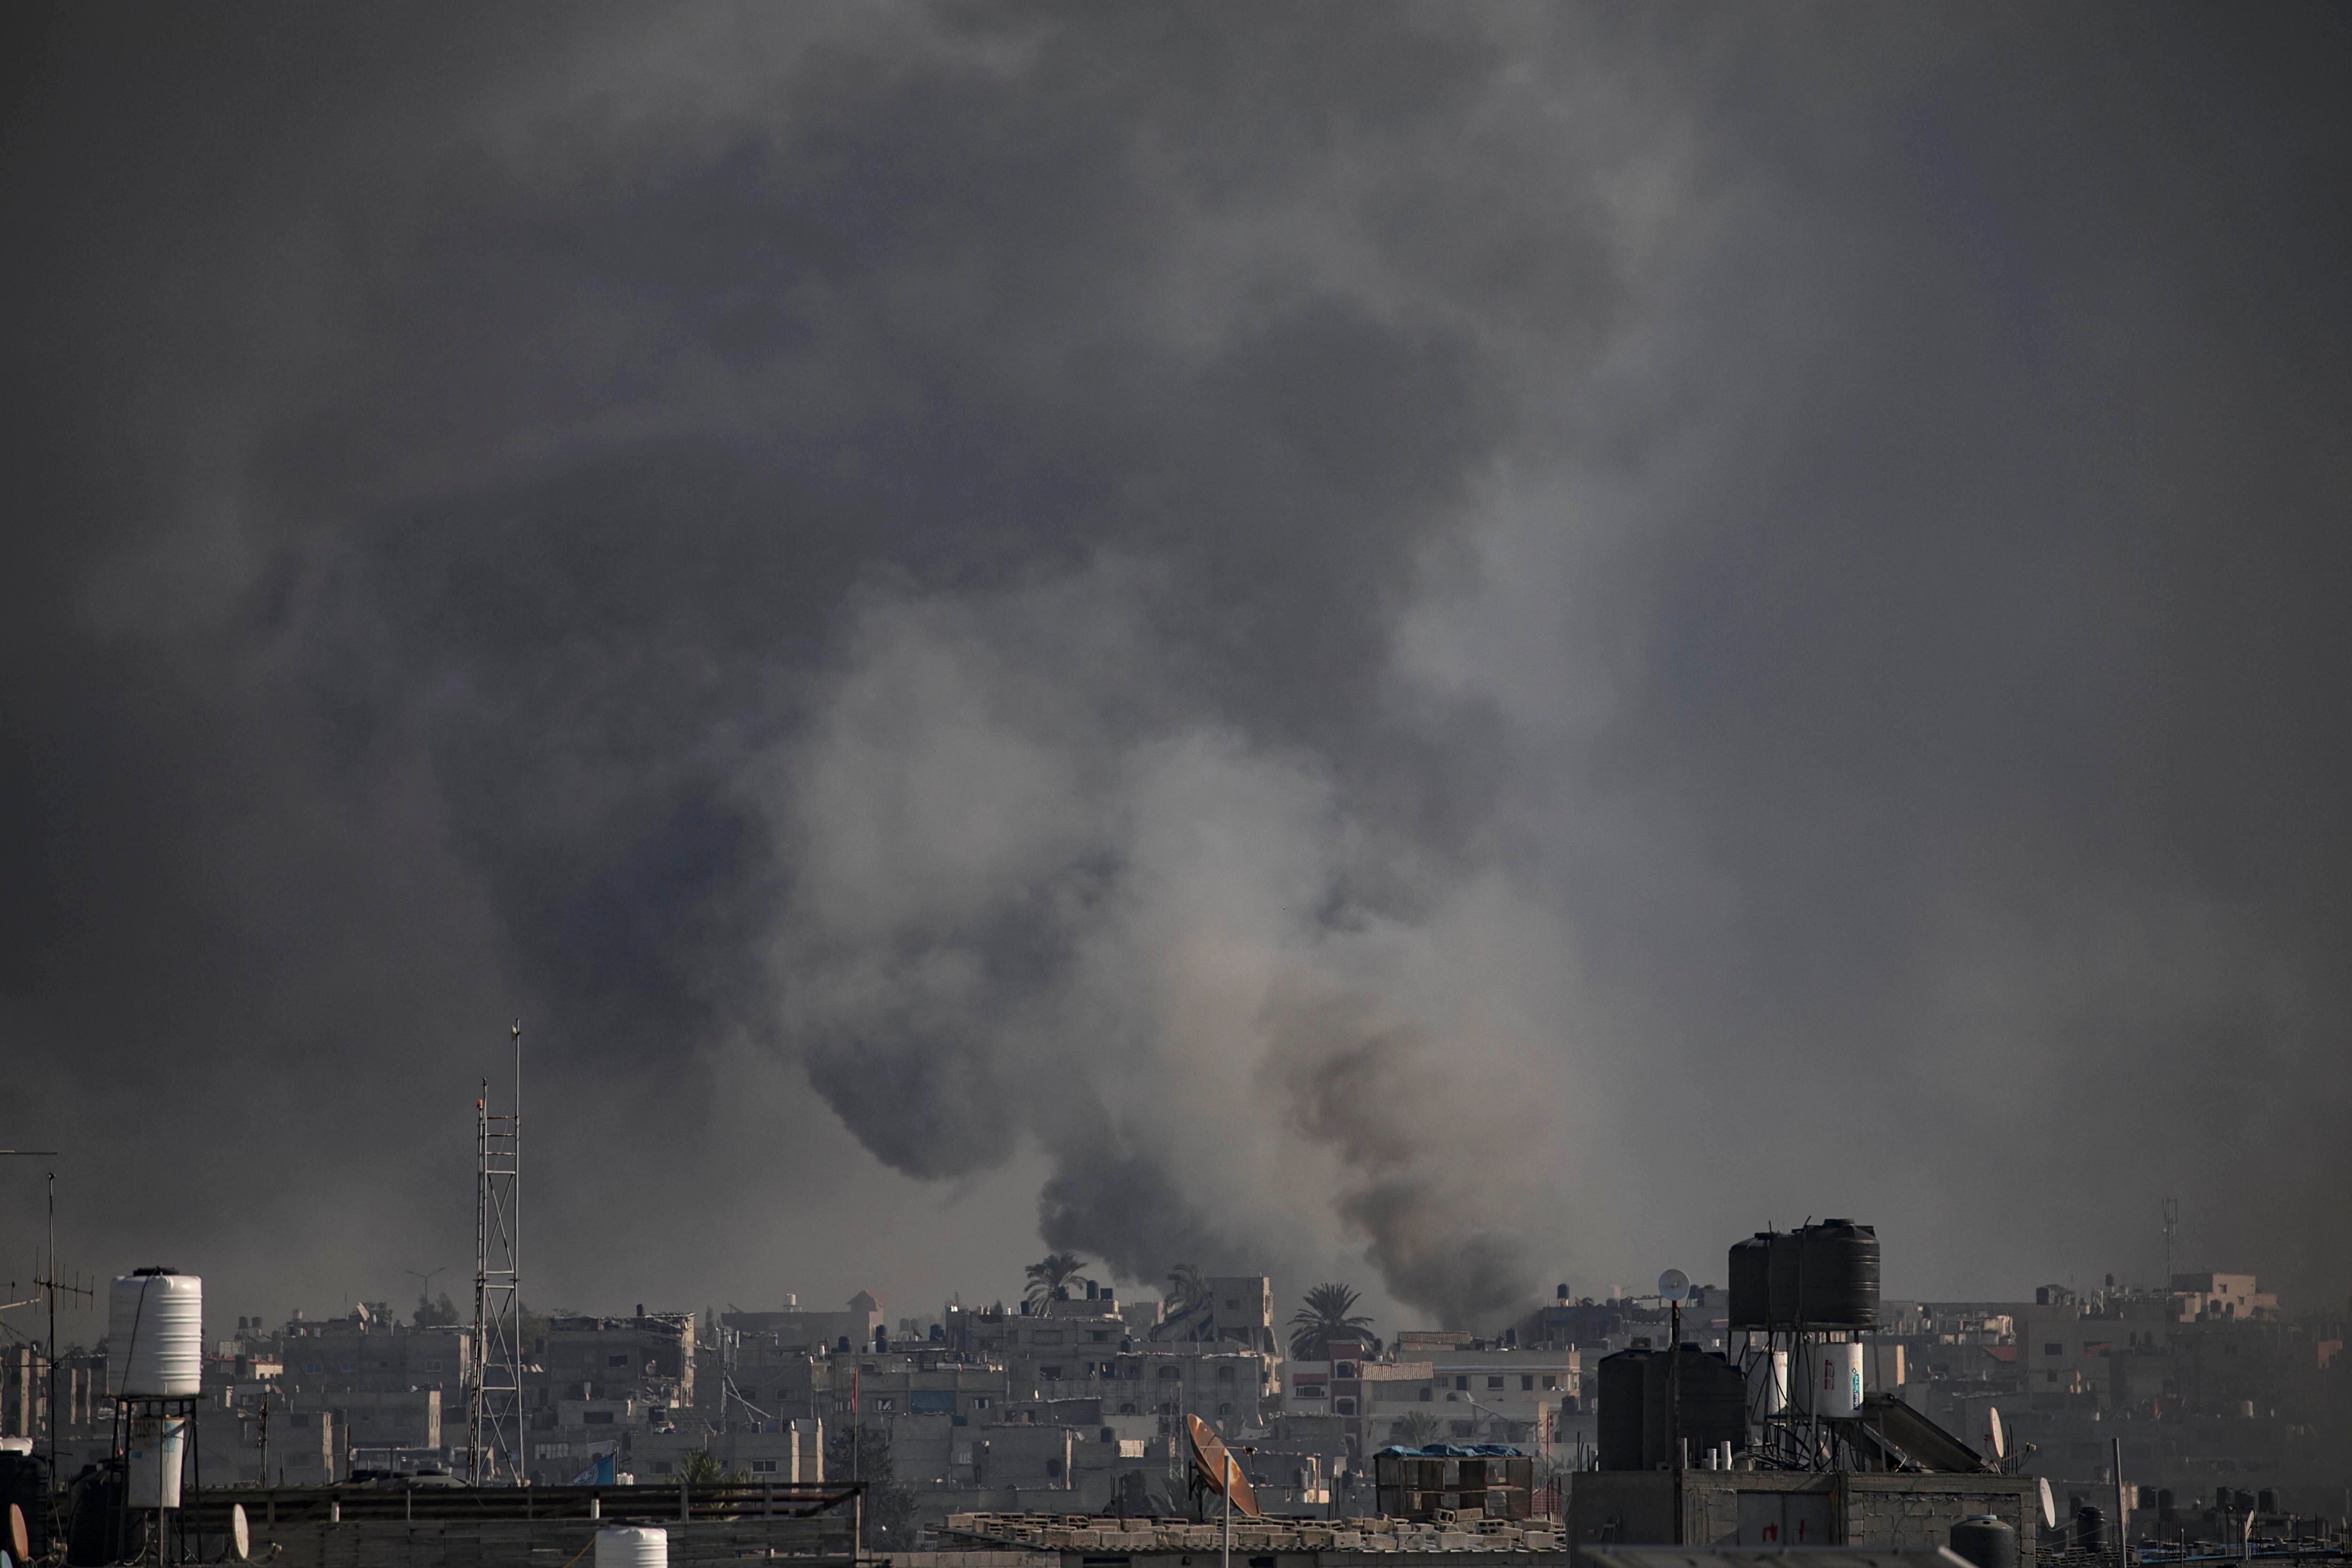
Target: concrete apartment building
<point x="813" y="1332"/>
<point x="366" y="1351"/>
<point x="648" y="1359"/>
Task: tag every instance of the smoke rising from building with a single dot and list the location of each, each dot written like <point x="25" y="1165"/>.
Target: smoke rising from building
<point x="1456" y="651"/>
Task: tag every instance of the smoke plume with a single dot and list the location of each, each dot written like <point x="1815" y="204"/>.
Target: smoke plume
<point x="1447" y="649"/>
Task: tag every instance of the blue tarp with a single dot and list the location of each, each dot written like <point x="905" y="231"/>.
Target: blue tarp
<point x="1458" y="1451"/>
<point x="599" y="1474"/>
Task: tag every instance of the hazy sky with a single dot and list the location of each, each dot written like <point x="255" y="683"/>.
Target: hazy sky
<point x="1454" y="647"/>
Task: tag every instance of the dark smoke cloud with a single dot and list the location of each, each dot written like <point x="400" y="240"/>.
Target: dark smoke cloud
<point x="1469" y="646"/>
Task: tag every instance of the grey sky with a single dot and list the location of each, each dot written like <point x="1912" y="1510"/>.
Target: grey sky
<point x="1451" y="648"/>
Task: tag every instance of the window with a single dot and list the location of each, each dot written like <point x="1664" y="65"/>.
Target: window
<point x="1493" y="1383"/>
<point x="350" y="1366"/>
<point x="763" y="1466"/>
<point x="1046" y="1337"/>
<point x="884" y="1404"/>
<point x="1343" y="1406"/>
<point x="931" y="1402"/>
<point x="1427" y="1394"/>
<point x="1053" y="1467"/>
<point x="2054" y="1348"/>
<point x="1313" y="1390"/>
<point x="313" y="1366"/>
<point x="597" y="1418"/>
<point x="433" y="1364"/>
<point x="1171" y="1373"/>
<point x="621" y="1359"/>
<point x="1463" y="1383"/>
<point x="1344" y="1368"/>
<point x="1102" y="1336"/>
<point x="2051" y="1376"/>
<point x="1224" y="1410"/>
<point x="980" y="1401"/>
<point x="1551" y="1381"/>
<point x="1224" y="1374"/>
<point x="1528" y="1381"/>
<point x="1050" y="1373"/>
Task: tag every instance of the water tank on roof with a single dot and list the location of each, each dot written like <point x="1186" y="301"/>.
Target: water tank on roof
<point x="1838" y="1276"/>
<point x="1830" y="1379"/>
<point x="1751" y="1281"/>
<point x="151" y="1460"/>
<point x="1784" y="1264"/>
<point x="1768" y="1385"/>
<point x="1619" y="1379"/>
<point x="1985" y="1540"/>
<point x="632" y="1546"/>
<point x="155" y="1335"/>
<point x="1712" y="1404"/>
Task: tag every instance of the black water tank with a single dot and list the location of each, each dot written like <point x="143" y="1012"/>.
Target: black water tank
<point x="1619" y="1418"/>
<point x="2267" y="1501"/>
<point x="1713" y="1405"/>
<point x="1985" y="1541"/>
<point x="1751" y="1281"/>
<point x="1838" y="1269"/>
<point x="2090" y="1530"/>
<point x="1784" y="1264"/>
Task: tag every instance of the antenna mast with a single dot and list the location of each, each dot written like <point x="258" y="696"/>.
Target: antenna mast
<point x="494" y="1416"/>
<point x="2171" y="1233"/>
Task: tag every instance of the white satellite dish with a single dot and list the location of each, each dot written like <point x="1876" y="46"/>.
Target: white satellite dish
<point x="1994" y="1437"/>
<point x="240" y="1534"/>
<point x="1674" y="1284"/>
<point x="2049" y="1506"/>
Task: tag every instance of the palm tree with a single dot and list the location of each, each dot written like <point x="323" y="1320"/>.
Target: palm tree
<point x="1051" y="1273"/>
<point x="1187" y="1288"/>
<point x="1325" y="1317"/>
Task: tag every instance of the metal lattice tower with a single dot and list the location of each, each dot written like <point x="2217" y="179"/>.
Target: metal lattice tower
<point x="494" y="1413"/>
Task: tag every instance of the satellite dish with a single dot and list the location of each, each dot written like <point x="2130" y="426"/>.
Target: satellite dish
<point x="2049" y="1506"/>
<point x="1674" y="1284"/>
<point x="1994" y="1437"/>
<point x="1215" y="1463"/>
<point x="240" y="1535"/>
<point x="20" y="1543"/>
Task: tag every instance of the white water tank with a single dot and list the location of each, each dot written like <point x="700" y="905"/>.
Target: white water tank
<point x="155" y="1336"/>
<point x="632" y="1546"/>
<point x="1832" y="1381"/>
<point x="153" y="1461"/>
<point x="1768" y="1384"/>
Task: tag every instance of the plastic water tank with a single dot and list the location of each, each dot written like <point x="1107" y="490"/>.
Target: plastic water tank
<point x="1838" y="1269"/>
<point x="152" y="1462"/>
<point x="1618" y="1378"/>
<point x="1768" y="1385"/>
<point x="1783" y="1264"/>
<point x="632" y="1546"/>
<point x="1712" y="1401"/>
<point x="1985" y="1541"/>
<point x="155" y="1336"/>
<point x="1831" y="1379"/>
<point x="1751" y="1281"/>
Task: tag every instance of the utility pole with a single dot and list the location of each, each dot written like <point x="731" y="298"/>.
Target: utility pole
<point x="495" y="1416"/>
<point x="1227" y="1558"/>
